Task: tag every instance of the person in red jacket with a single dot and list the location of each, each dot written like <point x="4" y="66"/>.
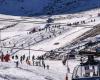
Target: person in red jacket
<point x="7" y="57"/>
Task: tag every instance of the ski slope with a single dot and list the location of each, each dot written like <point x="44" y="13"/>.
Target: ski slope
<point x="18" y="35"/>
<point x="15" y="34"/>
<point x="29" y="72"/>
<point x="42" y="41"/>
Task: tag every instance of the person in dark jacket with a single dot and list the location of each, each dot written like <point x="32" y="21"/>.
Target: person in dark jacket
<point x="24" y="57"/>
<point x="44" y="65"/>
<point x="16" y="61"/>
<point x="33" y="58"/>
<point x="16" y="57"/>
<point x="13" y="57"/>
<point x="21" y="59"/>
<point x="2" y="57"/>
<point x="17" y="64"/>
<point x="48" y="67"/>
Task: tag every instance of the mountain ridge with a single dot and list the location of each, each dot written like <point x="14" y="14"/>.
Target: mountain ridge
<point x="45" y="7"/>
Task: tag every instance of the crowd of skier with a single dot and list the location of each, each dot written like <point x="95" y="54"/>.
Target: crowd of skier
<point x="39" y="61"/>
<point x="80" y="22"/>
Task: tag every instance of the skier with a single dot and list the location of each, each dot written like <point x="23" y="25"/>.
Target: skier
<point x="94" y="20"/>
<point x="2" y="57"/>
<point x="16" y="57"/>
<point x="7" y="57"/>
<point x="66" y="78"/>
<point x="64" y="60"/>
<point x="98" y="72"/>
<point x="24" y="57"/>
<point x="33" y="58"/>
<point x="16" y="61"/>
<point x="9" y="43"/>
<point x="12" y="57"/>
<point x="22" y="45"/>
<point x="21" y="59"/>
<point x="36" y="63"/>
<point x="48" y="67"/>
<point x="44" y="65"/>
<point x="27" y="61"/>
<point x="39" y="63"/>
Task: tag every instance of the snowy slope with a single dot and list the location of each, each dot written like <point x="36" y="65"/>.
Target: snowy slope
<point x="17" y="36"/>
<point x="55" y="36"/>
<point x="45" y="39"/>
<point x="29" y="72"/>
<point x="41" y="40"/>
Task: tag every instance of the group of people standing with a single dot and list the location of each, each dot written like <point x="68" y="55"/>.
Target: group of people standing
<point x="39" y="61"/>
<point x="5" y="58"/>
<point x="80" y="22"/>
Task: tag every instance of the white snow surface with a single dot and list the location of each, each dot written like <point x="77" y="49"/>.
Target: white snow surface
<point x="28" y="72"/>
<point x="18" y="36"/>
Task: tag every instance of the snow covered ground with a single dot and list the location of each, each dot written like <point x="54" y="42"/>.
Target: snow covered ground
<point x="66" y="36"/>
<point x="41" y="41"/>
<point x="57" y="71"/>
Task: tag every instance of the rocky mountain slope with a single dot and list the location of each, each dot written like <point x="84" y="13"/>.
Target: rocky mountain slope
<point x="42" y="7"/>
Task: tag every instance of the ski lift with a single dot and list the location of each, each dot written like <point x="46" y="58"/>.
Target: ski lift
<point x="71" y="54"/>
<point x="89" y="70"/>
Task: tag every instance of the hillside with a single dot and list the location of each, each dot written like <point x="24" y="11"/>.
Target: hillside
<point x="91" y="33"/>
<point x="42" y="39"/>
<point x="20" y="32"/>
<point x="44" y="7"/>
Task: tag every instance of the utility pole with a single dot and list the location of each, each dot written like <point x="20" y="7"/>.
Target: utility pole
<point x="0" y="42"/>
<point x="0" y="38"/>
<point x="29" y="49"/>
<point x="1" y="47"/>
<point x="68" y="70"/>
<point x="81" y="60"/>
